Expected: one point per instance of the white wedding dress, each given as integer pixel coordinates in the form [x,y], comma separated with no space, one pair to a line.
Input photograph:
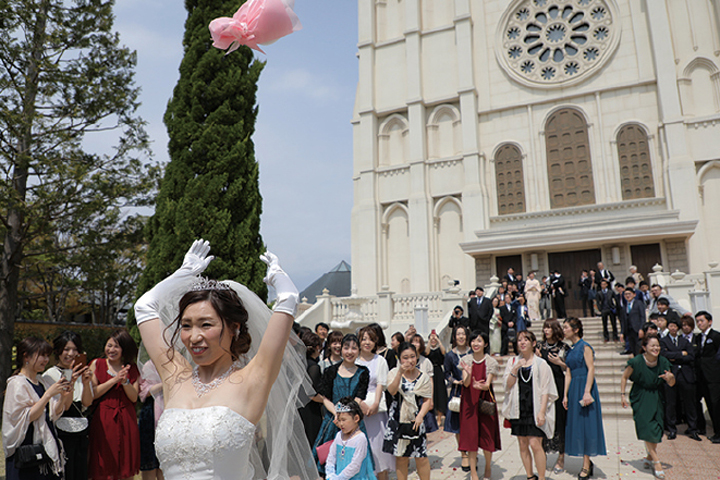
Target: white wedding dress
[204,444]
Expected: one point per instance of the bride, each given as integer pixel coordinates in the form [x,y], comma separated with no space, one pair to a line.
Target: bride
[230,404]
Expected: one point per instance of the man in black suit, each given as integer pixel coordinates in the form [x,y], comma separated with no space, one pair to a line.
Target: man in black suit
[458,318]
[608,307]
[507,316]
[634,320]
[480,312]
[557,286]
[605,274]
[664,311]
[510,276]
[681,354]
[707,368]
[584,284]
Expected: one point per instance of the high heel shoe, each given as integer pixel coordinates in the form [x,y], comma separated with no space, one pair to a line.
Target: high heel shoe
[587,471]
[465,459]
[658,473]
[647,463]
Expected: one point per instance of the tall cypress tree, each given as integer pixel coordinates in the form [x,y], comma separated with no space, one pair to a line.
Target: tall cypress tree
[210,187]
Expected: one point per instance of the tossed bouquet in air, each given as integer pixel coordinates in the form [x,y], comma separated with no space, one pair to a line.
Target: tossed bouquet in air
[257,22]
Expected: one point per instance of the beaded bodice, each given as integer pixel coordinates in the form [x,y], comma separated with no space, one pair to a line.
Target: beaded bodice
[204,443]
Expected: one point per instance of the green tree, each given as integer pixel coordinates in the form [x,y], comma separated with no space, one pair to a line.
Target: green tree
[210,188]
[63,75]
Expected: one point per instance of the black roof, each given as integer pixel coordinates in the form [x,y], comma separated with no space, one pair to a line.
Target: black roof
[337,281]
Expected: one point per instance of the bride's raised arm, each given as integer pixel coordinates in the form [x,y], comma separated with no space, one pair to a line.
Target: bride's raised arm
[266,364]
[147,307]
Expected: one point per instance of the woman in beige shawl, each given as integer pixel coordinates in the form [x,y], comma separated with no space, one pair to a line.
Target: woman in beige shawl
[412,399]
[26,415]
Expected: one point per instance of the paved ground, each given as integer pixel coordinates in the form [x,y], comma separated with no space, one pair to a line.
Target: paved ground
[683,459]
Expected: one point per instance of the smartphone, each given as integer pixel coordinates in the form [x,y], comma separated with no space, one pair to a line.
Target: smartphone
[67,373]
[81,359]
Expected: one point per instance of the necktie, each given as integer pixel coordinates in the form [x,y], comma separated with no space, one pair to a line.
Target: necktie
[629,307]
[674,339]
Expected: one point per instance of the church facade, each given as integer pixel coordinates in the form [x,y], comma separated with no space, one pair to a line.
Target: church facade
[538,134]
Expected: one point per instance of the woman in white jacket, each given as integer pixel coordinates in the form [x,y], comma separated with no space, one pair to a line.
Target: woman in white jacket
[529,403]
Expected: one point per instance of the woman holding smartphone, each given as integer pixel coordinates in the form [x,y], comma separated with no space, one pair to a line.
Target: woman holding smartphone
[73,427]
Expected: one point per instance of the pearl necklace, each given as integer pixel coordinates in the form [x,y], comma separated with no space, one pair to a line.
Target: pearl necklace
[203,388]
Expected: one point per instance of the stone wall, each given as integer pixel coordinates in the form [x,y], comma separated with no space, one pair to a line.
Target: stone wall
[677,256]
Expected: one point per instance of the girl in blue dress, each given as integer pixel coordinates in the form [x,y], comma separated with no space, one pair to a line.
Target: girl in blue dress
[349,457]
[584,434]
[344,379]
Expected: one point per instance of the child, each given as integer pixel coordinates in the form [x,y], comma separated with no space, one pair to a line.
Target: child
[349,457]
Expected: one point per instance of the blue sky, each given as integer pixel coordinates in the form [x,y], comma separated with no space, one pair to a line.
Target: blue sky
[303,138]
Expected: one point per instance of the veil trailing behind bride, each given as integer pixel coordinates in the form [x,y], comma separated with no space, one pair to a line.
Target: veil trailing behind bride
[216,442]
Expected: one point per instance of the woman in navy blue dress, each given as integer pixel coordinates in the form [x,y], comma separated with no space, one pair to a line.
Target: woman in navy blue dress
[344,379]
[584,434]
[453,377]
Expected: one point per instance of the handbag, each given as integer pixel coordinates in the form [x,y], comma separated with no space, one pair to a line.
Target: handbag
[407,432]
[486,407]
[323,451]
[30,456]
[454,404]
[370,399]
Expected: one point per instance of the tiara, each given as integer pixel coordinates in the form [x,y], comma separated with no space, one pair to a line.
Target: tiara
[203,283]
[342,408]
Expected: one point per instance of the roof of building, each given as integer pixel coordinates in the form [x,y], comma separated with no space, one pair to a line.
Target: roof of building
[337,281]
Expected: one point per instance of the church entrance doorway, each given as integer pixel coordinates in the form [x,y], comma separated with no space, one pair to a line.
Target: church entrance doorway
[644,257]
[503,263]
[570,265]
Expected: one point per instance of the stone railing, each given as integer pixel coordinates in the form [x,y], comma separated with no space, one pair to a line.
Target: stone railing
[393,311]
[694,292]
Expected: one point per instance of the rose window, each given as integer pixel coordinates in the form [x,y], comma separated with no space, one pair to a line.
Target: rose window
[556,42]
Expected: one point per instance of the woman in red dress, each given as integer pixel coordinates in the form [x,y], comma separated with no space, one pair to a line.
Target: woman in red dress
[476,429]
[114,434]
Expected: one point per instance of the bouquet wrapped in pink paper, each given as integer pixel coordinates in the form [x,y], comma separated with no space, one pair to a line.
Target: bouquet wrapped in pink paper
[257,22]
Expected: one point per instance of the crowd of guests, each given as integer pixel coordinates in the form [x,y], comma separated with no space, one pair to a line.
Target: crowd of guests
[376,403]
[77,420]
[395,395]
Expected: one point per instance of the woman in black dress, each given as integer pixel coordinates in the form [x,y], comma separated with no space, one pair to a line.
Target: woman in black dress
[553,350]
[435,352]
[311,414]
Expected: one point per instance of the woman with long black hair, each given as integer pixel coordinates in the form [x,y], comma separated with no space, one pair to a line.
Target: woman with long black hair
[73,427]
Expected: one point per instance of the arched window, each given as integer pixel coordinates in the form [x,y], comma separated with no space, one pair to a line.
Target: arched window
[509,180]
[393,139]
[443,132]
[390,19]
[396,231]
[635,168]
[568,160]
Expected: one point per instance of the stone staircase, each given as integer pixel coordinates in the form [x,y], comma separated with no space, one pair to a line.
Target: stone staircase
[609,366]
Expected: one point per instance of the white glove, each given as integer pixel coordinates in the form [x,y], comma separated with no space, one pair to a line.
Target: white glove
[287,294]
[195,262]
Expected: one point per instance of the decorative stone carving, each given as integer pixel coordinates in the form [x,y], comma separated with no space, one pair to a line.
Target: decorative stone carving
[551,43]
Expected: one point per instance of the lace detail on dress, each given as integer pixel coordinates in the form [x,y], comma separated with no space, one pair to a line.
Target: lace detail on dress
[204,443]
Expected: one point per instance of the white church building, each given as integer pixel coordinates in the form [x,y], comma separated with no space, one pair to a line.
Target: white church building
[538,134]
